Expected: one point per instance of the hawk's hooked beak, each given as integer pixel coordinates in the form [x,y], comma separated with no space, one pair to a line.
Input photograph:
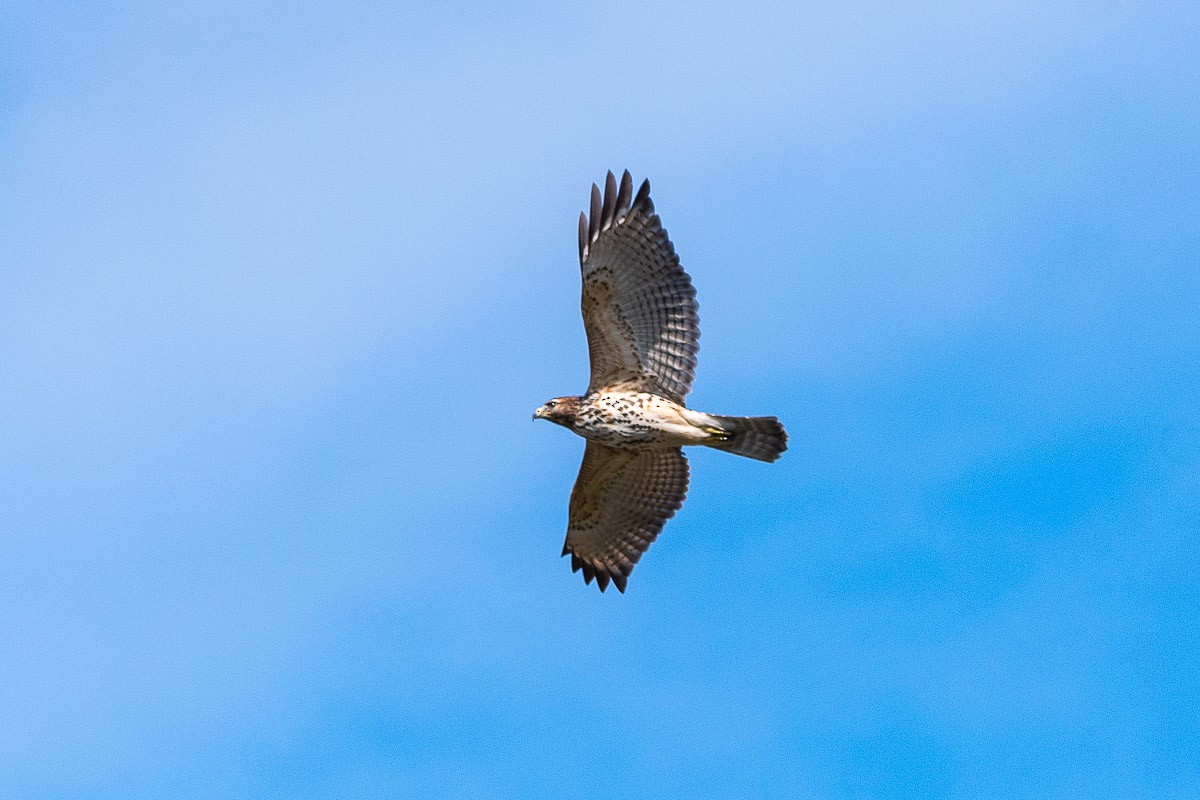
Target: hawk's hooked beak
[540,413]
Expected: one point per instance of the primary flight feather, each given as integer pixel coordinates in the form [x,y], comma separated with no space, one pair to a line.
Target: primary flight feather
[643,330]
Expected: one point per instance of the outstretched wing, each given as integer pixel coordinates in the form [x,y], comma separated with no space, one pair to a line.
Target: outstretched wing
[619,504]
[639,307]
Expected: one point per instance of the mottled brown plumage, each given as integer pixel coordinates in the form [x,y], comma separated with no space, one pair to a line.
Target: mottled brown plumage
[619,504]
[639,307]
[643,329]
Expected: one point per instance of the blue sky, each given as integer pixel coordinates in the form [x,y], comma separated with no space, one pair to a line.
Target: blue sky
[282,284]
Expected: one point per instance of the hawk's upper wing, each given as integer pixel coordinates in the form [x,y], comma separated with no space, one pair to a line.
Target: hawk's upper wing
[639,307]
[619,504]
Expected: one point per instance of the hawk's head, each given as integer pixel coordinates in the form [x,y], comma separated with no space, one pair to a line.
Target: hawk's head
[560,410]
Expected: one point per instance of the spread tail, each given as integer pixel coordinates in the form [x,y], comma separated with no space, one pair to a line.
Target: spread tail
[761,438]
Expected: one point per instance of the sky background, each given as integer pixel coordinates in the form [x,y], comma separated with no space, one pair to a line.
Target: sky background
[281,284]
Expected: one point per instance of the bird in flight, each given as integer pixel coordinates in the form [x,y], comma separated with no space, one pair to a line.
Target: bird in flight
[643,330]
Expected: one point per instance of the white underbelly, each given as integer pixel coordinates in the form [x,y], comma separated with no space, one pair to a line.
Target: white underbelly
[637,420]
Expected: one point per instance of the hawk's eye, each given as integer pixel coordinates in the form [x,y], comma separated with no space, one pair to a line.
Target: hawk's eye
[551,404]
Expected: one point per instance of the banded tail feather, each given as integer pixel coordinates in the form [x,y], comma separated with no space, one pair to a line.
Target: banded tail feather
[760,438]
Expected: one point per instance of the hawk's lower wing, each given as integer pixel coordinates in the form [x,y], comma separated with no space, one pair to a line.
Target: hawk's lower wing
[619,504]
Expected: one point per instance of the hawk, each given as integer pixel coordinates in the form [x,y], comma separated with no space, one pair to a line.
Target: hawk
[640,313]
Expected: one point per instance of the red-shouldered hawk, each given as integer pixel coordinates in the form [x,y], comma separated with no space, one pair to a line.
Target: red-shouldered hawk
[639,309]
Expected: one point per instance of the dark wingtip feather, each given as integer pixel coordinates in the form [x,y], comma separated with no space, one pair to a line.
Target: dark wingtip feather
[583,236]
[642,201]
[619,581]
[594,216]
[576,563]
[602,578]
[610,201]
[624,194]
[589,572]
